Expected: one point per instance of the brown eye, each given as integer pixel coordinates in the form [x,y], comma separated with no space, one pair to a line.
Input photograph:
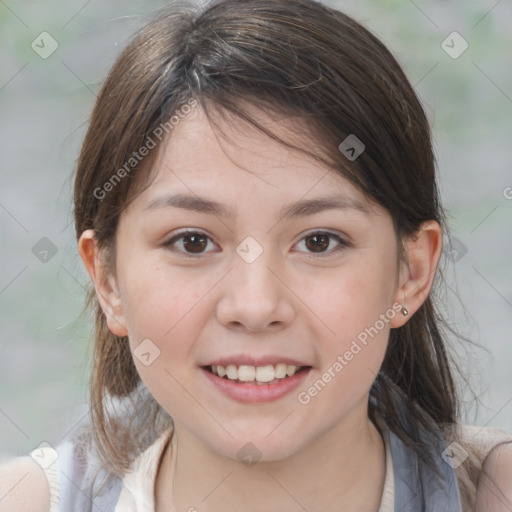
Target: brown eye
[320,243]
[189,243]
[195,243]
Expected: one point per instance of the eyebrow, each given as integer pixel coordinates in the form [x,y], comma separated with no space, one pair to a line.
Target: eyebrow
[301,208]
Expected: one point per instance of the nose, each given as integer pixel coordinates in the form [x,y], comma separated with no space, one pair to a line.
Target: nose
[255,296]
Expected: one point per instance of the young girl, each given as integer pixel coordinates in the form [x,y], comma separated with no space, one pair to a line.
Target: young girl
[257,207]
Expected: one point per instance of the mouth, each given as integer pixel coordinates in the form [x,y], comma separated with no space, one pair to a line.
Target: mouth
[259,375]
[255,384]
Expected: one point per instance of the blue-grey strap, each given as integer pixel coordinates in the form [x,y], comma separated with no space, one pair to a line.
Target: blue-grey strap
[83,485]
[106,491]
[417,487]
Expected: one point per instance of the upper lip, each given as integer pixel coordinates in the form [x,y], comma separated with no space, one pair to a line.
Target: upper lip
[245,360]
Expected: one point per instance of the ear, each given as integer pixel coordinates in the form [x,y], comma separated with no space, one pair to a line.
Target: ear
[423,250]
[105,285]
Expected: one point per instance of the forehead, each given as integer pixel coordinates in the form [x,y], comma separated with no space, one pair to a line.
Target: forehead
[231,158]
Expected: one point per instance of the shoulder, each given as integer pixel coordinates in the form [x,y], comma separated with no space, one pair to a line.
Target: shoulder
[482,440]
[489,451]
[23,486]
[494,489]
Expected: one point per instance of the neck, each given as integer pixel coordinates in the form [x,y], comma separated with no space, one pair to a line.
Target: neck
[345,465]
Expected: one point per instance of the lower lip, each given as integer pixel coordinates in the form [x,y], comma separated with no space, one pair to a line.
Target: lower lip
[256,393]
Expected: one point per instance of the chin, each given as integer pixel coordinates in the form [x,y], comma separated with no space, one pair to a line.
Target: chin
[251,447]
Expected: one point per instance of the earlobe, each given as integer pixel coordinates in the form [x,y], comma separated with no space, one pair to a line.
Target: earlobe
[105,285]
[423,251]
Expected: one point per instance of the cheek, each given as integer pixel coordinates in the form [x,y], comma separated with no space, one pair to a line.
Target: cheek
[355,310]
[352,301]
[350,359]
[170,387]
[161,304]
[165,313]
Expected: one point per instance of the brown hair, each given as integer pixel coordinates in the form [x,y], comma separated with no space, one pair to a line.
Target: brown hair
[292,58]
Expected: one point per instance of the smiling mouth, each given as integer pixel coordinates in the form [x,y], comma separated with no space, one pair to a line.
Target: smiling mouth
[259,375]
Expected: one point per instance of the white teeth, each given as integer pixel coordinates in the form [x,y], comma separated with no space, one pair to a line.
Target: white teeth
[232,372]
[259,374]
[247,373]
[281,370]
[290,370]
[265,373]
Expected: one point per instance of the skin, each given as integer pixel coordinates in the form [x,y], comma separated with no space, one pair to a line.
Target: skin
[291,301]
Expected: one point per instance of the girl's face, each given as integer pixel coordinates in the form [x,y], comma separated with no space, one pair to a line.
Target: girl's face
[247,255]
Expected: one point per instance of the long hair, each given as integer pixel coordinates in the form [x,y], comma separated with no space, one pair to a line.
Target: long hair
[287,58]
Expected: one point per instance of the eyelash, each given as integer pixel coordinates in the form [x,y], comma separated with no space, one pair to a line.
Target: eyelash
[184,234]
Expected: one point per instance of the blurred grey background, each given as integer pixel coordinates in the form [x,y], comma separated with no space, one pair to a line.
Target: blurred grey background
[53,58]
